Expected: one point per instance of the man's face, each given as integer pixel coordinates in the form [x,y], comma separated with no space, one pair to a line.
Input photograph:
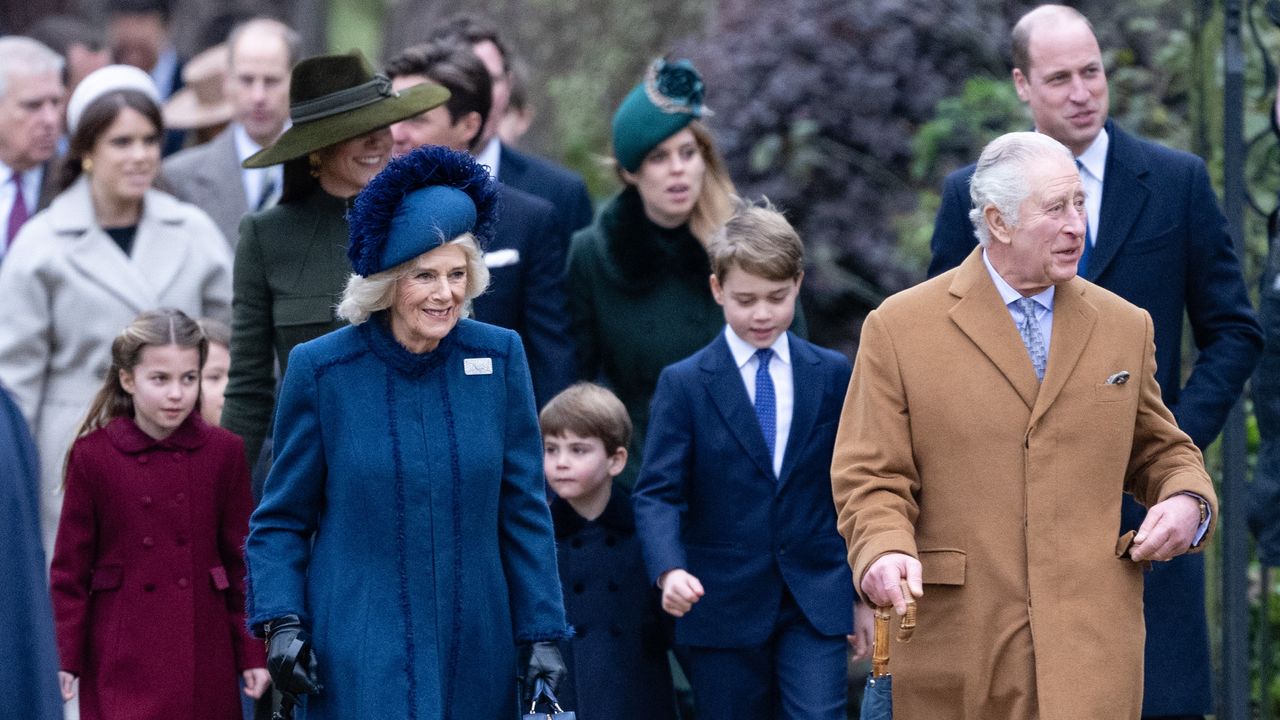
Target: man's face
[30,119]
[137,38]
[501,79]
[1044,248]
[82,60]
[433,127]
[1066,85]
[258,85]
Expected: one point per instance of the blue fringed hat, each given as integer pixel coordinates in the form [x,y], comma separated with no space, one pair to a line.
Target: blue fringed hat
[669,99]
[417,203]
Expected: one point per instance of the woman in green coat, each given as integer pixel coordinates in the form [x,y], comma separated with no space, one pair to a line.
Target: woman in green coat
[291,262]
[638,278]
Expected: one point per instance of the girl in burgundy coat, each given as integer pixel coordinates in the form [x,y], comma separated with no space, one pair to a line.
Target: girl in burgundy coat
[147,575]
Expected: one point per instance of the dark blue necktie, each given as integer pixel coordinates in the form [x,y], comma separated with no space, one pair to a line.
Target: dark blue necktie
[1083,266]
[766,404]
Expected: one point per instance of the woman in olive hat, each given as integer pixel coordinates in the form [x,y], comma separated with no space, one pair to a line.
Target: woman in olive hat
[638,284]
[290,263]
[403,548]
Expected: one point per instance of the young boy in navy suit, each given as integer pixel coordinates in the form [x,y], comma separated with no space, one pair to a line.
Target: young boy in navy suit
[733,504]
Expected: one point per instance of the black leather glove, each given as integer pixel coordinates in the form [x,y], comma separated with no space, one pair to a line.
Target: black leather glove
[546,664]
[290,657]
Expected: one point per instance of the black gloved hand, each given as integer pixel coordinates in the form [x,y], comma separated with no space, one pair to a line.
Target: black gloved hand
[546,664]
[290,657]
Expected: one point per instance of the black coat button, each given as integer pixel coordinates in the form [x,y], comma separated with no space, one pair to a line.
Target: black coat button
[578,588]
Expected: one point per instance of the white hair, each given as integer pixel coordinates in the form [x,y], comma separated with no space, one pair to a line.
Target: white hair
[365,296]
[1000,179]
[21,55]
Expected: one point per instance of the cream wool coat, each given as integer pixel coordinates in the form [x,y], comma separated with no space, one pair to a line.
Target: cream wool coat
[67,291]
[1008,491]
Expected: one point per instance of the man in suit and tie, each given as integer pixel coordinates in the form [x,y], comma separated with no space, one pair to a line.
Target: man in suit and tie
[1156,237]
[996,415]
[526,256]
[210,176]
[733,502]
[562,188]
[31,103]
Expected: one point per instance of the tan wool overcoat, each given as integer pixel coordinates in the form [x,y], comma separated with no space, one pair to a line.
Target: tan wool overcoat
[1008,491]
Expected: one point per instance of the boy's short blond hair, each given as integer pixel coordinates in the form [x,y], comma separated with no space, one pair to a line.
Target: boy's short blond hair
[588,410]
[759,240]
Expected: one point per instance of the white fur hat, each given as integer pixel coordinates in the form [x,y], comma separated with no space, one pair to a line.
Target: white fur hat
[105,80]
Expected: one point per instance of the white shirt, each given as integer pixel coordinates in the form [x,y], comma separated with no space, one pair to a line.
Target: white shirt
[1093,162]
[31,181]
[744,354]
[1043,304]
[491,155]
[254,179]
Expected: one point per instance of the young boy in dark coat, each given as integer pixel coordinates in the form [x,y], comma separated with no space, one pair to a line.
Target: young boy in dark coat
[733,502]
[617,659]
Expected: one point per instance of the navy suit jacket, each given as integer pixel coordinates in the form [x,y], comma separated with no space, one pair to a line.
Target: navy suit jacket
[1163,246]
[526,288]
[707,499]
[558,186]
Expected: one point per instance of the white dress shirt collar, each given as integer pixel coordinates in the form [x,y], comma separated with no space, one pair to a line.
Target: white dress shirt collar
[1044,298]
[1094,158]
[491,155]
[743,351]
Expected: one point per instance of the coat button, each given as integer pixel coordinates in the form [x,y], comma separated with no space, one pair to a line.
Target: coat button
[149,587]
[148,541]
[146,501]
[177,456]
[142,459]
[180,498]
[578,588]
[183,582]
[182,542]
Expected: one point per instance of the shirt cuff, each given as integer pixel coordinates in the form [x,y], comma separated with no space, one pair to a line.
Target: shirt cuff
[1208,519]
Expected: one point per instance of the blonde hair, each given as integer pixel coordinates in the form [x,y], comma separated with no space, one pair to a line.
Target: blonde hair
[758,240]
[365,296]
[588,410]
[215,331]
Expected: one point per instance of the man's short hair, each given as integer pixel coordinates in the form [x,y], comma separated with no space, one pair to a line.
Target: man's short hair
[292,40]
[140,7]
[21,55]
[1021,34]
[1000,179]
[61,32]
[757,239]
[590,411]
[473,30]
[453,65]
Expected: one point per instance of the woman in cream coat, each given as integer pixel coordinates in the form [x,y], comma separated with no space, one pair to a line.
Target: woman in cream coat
[106,249]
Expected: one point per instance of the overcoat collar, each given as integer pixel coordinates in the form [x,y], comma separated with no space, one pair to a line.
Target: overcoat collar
[982,316]
[1124,194]
[157,261]
[638,254]
[616,516]
[127,437]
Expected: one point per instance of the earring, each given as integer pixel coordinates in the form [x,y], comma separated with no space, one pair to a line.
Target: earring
[313,160]
[86,166]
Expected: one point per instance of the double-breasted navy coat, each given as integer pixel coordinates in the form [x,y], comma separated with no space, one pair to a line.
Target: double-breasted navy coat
[405,521]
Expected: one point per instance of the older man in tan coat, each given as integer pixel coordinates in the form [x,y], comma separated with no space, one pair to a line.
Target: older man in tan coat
[995,417]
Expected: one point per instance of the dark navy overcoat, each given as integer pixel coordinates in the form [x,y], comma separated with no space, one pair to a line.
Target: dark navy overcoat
[405,521]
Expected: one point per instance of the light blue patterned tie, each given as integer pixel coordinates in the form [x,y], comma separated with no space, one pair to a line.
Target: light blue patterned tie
[766,404]
[1031,337]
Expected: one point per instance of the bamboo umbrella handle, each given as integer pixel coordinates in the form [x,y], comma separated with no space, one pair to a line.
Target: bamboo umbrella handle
[880,646]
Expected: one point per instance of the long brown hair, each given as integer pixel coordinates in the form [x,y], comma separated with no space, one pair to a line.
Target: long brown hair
[166,326]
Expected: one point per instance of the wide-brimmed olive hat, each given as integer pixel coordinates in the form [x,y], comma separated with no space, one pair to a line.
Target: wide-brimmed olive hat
[337,97]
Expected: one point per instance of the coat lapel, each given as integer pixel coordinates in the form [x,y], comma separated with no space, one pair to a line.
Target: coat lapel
[807,390]
[93,254]
[153,248]
[729,395]
[981,315]
[1073,321]
[1124,194]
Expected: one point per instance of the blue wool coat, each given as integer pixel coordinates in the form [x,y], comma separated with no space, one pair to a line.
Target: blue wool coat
[405,521]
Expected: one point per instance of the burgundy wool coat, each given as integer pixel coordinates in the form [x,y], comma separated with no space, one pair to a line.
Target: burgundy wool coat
[148,572]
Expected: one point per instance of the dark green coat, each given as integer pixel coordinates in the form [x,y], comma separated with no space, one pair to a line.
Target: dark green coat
[290,269]
[640,300]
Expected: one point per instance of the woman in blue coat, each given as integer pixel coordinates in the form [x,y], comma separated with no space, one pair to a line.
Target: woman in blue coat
[403,549]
